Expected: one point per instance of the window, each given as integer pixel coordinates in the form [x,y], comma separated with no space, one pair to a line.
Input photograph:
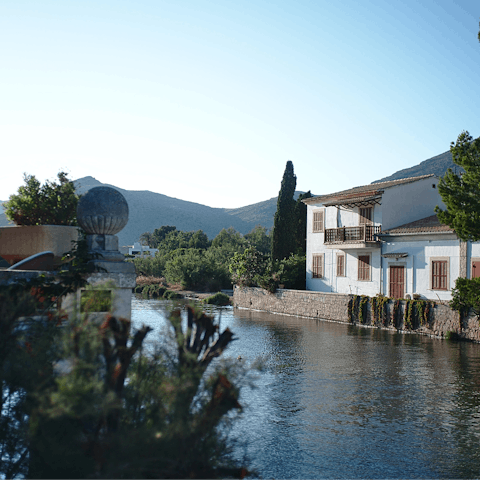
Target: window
[366,215]
[439,274]
[340,265]
[364,267]
[318,221]
[317,266]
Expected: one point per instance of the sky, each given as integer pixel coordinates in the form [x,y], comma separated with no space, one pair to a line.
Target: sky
[206,101]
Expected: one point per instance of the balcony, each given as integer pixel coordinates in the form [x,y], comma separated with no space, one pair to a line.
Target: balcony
[352,237]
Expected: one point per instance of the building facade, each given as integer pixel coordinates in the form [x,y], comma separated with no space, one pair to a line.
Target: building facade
[382,239]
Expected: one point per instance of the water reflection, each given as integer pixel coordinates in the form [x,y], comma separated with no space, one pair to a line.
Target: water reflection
[337,401]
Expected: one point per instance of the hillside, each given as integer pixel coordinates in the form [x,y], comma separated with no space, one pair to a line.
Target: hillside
[149,210]
[437,165]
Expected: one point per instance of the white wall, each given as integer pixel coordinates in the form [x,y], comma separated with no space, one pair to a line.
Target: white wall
[406,203]
[420,251]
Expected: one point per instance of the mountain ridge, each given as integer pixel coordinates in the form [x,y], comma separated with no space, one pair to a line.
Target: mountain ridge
[150,210]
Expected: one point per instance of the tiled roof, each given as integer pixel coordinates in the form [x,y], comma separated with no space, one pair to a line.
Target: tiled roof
[424,225]
[356,200]
[364,191]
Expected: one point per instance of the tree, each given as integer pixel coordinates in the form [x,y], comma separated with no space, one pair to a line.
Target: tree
[461,193]
[86,401]
[259,238]
[301,223]
[49,204]
[283,235]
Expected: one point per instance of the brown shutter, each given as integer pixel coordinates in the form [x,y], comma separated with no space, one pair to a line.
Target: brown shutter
[366,215]
[439,275]
[317,266]
[364,267]
[340,265]
[318,221]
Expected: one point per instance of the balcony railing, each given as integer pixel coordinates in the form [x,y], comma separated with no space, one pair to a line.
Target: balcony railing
[360,234]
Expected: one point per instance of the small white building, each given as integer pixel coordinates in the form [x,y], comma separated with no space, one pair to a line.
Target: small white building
[139,250]
[382,239]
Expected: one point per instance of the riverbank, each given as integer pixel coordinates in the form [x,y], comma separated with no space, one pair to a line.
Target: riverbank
[434,319]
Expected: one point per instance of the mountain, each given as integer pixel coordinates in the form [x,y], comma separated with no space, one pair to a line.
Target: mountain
[437,165]
[149,210]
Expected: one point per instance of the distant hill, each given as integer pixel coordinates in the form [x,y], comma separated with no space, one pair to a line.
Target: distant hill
[437,165]
[149,210]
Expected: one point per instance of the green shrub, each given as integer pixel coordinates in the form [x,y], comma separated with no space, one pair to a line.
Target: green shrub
[219,298]
[452,336]
[171,295]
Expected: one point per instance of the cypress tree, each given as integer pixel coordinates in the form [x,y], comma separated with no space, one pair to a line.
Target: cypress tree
[301,223]
[284,226]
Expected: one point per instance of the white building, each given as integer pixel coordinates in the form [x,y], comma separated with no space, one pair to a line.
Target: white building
[382,239]
[139,250]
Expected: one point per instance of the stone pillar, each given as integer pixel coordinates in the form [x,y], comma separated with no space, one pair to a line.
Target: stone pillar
[463,266]
[102,212]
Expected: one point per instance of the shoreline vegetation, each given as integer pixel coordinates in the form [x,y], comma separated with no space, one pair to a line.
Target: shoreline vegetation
[158,288]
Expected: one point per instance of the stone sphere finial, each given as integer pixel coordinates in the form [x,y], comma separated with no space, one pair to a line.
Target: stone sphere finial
[102,211]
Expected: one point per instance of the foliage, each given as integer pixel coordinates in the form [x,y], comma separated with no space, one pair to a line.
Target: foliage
[452,336]
[284,228]
[196,269]
[190,259]
[85,400]
[461,193]
[466,296]
[291,271]
[49,204]
[363,309]
[245,268]
[396,310]
[408,315]
[218,298]
[379,307]
[259,238]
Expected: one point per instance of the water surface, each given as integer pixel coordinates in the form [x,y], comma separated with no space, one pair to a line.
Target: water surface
[337,401]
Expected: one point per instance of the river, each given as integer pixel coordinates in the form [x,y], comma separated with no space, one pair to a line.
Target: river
[338,401]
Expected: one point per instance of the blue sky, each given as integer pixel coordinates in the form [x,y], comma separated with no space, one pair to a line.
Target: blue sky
[207,100]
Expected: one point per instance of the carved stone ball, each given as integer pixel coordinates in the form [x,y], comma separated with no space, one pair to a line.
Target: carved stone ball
[102,211]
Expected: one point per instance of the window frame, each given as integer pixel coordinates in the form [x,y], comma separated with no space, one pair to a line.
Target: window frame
[360,268]
[315,265]
[315,227]
[433,260]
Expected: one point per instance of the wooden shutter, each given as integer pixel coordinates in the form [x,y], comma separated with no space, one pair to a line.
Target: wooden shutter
[366,215]
[439,274]
[340,265]
[317,266]
[318,221]
[364,267]
[475,269]
[397,281]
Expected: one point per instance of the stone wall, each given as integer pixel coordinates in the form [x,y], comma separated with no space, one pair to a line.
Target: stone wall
[334,307]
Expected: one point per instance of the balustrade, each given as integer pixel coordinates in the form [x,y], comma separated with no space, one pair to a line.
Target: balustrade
[362,233]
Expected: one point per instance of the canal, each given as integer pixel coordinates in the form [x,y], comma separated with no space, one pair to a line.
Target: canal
[337,401]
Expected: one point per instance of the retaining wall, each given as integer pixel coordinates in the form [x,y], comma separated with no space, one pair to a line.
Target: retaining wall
[334,306]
